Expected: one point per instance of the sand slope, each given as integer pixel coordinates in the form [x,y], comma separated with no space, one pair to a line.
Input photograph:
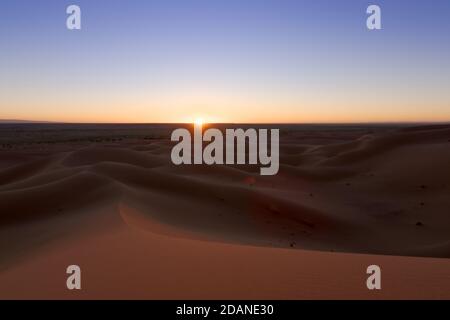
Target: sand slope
[118,207]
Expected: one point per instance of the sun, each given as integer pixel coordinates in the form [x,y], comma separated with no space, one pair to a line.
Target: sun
[198,122]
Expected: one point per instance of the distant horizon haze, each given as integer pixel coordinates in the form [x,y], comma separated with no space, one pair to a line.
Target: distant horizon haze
[24,121]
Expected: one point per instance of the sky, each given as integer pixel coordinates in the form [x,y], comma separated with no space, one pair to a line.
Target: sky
[286,61]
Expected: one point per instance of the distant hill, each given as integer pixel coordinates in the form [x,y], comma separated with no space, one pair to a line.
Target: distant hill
[22,121]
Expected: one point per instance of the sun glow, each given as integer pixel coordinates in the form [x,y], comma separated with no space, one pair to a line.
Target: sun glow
[198,122]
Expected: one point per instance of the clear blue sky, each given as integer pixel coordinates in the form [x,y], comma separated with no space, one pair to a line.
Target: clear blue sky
[225,60]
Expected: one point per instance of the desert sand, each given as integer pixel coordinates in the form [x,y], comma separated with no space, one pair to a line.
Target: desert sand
[108,198]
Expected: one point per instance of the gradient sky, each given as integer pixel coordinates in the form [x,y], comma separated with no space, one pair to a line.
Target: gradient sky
[225,61]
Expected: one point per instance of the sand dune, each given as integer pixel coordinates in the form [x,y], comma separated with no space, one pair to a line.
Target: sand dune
[116,201]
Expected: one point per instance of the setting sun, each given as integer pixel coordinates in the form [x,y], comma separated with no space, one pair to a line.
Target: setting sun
[198,122]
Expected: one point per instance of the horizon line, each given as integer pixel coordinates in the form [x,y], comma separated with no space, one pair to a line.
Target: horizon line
[20,121]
